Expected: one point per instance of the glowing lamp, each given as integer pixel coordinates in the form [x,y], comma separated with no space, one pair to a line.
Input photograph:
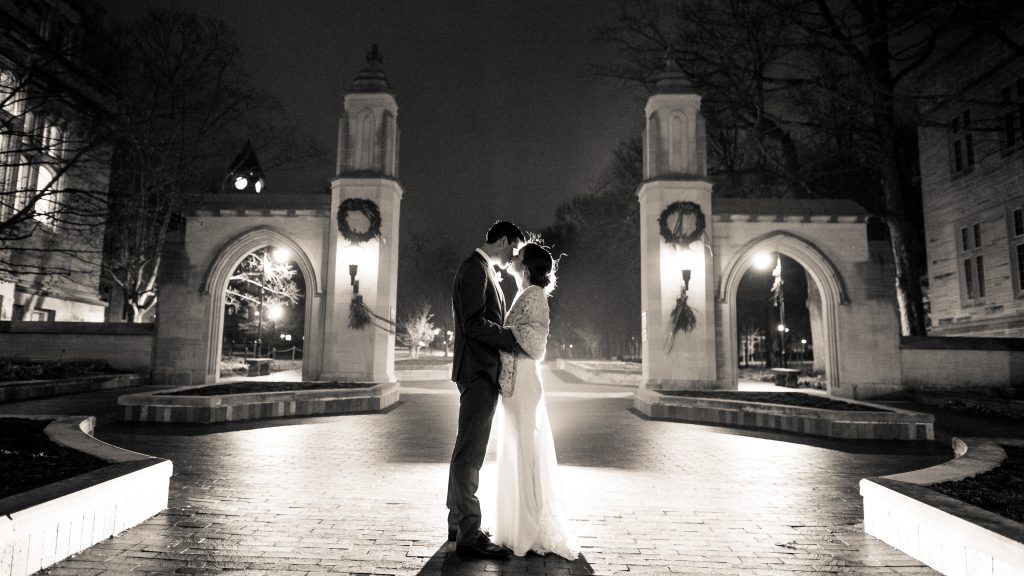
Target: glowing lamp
[241,183]
[686,259]
[258,186]
[354,257]
[275,312]
[281,255]
[763,261]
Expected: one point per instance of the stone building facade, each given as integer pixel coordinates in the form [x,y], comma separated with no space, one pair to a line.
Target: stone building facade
[972,180]
[53,175]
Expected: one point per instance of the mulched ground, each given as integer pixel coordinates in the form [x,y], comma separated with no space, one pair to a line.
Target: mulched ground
[28,459]
[783,398]
[14,371]
[255,387]
[1000,491]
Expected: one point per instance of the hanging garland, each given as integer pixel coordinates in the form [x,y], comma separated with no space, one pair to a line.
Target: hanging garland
[360,315]
[683,320]
[674,233]
[369,210]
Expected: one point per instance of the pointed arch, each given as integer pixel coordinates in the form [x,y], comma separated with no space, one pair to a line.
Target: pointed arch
[826,277]
[215,283]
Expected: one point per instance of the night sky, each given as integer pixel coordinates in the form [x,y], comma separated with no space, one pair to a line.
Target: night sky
[501,115]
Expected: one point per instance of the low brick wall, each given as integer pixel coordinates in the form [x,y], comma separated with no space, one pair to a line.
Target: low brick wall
[43,526]
[890,424]
[951,536]
[126,347]
[955,362]
[25,389]
[150,407]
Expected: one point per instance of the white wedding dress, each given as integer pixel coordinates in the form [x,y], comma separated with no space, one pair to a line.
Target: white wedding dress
[528,512]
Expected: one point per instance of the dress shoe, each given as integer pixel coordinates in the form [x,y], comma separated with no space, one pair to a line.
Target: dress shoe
[482,547]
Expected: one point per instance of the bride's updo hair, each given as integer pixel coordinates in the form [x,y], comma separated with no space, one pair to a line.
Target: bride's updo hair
[537,259]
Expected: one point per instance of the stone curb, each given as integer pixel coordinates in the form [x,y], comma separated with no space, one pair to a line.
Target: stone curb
[26,389]
[888,424]
[45,525]
[599,376]
[951,536]
[152,407]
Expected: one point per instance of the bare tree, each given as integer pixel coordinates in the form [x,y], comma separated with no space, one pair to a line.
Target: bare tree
[417,330]
[184,105]
[821,93]
[53,162]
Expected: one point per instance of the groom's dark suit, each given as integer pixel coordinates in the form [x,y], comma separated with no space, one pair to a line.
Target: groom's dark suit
[479,309]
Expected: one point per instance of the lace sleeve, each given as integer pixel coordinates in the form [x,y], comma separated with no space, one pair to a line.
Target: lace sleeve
[530,326]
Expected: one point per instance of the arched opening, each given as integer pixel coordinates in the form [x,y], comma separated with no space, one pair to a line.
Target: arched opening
[215,286]
[824,285]
[778,315]
[264,318]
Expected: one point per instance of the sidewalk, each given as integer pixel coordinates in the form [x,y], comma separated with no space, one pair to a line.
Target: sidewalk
[364,494]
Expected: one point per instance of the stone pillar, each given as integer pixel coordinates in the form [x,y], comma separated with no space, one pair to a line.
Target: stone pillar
[675,176]
[367,171]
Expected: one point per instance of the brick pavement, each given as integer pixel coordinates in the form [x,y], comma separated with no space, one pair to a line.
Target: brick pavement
[364,494]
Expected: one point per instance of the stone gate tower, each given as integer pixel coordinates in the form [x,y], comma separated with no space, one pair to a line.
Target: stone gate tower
[363,242]
[675,236]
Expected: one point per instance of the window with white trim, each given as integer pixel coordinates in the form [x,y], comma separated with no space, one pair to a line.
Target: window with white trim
[961,144]
[971,264]
[1015,222]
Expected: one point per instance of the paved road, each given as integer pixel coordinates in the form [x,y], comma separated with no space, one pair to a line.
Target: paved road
[364,494]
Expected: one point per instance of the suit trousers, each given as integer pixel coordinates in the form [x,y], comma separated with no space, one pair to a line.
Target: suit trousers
[477,401]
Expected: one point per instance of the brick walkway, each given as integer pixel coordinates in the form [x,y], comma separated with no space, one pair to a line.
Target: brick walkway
[364,494]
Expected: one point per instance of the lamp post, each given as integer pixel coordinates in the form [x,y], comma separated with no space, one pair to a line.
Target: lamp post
[779,298]
[764,261]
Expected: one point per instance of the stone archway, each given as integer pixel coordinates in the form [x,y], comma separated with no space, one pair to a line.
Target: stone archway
[825,276]
[215,283]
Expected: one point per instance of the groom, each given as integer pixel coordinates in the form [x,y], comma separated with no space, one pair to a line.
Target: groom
[479,308]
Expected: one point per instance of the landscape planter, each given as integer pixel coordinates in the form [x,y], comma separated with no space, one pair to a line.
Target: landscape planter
[163,407]
[45,525]
[26,389]
[883,424]
[948,535]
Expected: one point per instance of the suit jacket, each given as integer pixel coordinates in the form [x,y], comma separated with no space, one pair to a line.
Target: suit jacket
[479,310]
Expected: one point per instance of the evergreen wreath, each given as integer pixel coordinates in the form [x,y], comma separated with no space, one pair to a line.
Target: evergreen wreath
[367,208]
[675,234]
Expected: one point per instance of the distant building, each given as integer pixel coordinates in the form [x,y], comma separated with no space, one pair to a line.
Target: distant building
[53,176]
[972,179]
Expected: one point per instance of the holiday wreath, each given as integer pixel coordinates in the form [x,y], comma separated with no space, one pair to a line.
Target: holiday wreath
[361,209]
[675,230]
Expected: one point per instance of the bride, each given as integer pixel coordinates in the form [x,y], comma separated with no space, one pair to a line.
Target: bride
[529,514]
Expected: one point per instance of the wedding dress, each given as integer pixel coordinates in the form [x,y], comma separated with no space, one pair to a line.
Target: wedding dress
[528,512]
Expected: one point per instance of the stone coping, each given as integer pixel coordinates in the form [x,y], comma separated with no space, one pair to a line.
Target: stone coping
[591,372]
[162,407]
[886,424]
[45,525]
[949,535]
[25,389]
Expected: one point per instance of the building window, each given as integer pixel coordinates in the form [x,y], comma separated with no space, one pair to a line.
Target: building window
[10,94]
[961,142]
[47,200]
[971,264]
[1016,235]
